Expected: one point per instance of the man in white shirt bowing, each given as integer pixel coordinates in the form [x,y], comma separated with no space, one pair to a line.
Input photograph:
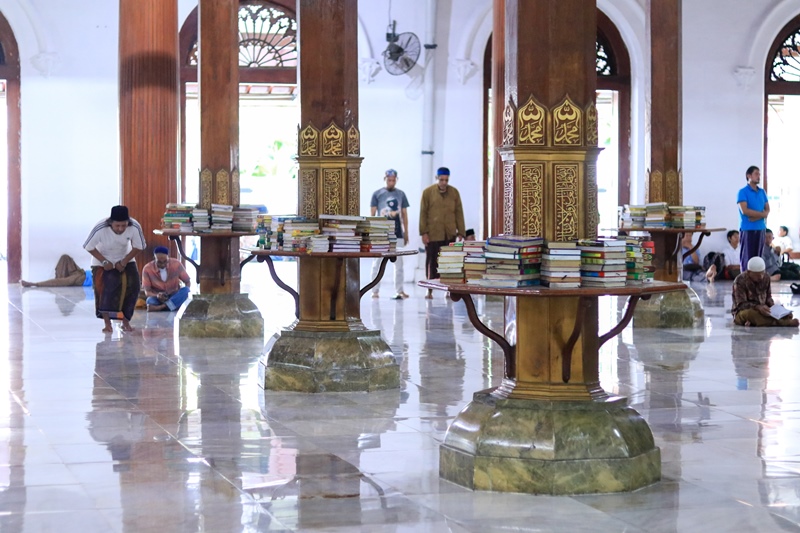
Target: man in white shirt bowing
[113,243]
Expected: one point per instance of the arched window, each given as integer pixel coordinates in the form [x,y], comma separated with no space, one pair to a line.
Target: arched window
[782,121]
[10,94]
[268,63]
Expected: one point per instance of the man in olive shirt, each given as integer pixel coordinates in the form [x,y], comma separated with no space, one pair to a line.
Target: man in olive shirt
[441,220]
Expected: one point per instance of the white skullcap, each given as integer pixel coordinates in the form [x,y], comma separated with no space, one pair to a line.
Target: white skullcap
[756,264]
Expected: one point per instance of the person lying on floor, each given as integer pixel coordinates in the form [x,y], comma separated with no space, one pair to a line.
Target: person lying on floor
[68,274]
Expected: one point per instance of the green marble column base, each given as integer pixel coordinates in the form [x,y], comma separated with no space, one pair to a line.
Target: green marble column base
[679,309]
[303,361]
[220,315]
[549,447]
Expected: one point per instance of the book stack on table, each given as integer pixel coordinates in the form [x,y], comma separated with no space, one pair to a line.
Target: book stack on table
[201,220]
[687,216]
[634,261]
[561,265]
[221,217]
[297,233]
[245,218]
[377,234]
[178,216]
[633,216]
[603,263]
[657,215]
[451,263]
[475,260]
[340,230]
[512,261]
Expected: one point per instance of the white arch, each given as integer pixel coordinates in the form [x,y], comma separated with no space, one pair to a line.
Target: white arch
[33,39]
[473,41]
[773,22]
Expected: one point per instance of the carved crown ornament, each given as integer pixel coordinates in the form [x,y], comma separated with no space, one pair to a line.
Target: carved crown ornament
[333,141]
[565,124]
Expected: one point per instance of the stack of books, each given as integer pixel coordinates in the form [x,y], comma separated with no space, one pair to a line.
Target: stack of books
[687,216]
[375,233]
[451,263]
[221,217]
[648,251]
[201,220]
[633,216]
[474,260]
[603,263]
[512,261]
[178,216]
[657,215]
[561,265]
[319,243]
[297,231]
[264,230]
[245,218]
[342,232]
[634,261]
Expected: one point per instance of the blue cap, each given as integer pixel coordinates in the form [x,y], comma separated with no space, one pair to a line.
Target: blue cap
[391,172]
[161,250]
[443,171]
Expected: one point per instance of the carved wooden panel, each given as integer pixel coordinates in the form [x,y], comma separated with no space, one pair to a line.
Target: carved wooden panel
[592,209]
[332,191]
[235,190]
[531,199]
[353,191]
[673,190]
[509,122]
[591,125]
[566,201]
[308,193]
[508,197]
[656,186]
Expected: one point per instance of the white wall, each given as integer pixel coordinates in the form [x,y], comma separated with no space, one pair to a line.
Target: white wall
[723,113]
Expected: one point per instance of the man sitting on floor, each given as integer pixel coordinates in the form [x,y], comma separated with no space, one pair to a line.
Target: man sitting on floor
[161,279]
[752,298]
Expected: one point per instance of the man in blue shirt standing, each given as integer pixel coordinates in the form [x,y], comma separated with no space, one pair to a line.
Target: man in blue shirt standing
[753,209]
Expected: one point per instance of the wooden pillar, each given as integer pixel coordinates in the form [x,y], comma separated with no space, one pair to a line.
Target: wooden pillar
[664,175]
[219,137]
[148,111]
[498,106]
[329,155]
[549,152]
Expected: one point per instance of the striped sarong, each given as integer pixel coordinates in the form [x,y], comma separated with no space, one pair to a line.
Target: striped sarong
[115,292]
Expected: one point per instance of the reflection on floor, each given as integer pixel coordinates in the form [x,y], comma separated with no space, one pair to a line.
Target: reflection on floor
[144,432]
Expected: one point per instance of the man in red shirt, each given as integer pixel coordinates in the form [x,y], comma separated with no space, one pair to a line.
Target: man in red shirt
[161,279]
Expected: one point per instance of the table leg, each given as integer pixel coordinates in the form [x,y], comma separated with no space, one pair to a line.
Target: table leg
[246,260]
[267,259]
[378,278]
[508,351]
[626,319]
[179,244]
[336,283]
[566,351]
[674,257]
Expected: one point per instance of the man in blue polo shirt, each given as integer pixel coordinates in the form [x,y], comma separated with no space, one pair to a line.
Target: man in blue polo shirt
[753,209]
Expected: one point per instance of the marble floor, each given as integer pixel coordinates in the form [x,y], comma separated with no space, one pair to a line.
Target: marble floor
[148,432]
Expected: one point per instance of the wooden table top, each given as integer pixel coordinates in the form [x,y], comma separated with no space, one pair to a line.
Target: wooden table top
[653,287]
[179,233]
[672,230]
[285,253]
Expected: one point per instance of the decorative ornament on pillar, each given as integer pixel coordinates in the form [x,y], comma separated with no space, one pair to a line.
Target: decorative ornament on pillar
[308,193]
[333,141]
[531,192]
[508,197]
[656,186]
[567,124]
[531,124]
[353,142]
[509,130]
[206,188]
[673,188]
[222,192]
[591,125]
[309,141]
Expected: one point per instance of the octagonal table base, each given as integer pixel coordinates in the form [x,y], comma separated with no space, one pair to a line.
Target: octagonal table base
[680,309]
[220,315]
[549,447]
[328,361]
